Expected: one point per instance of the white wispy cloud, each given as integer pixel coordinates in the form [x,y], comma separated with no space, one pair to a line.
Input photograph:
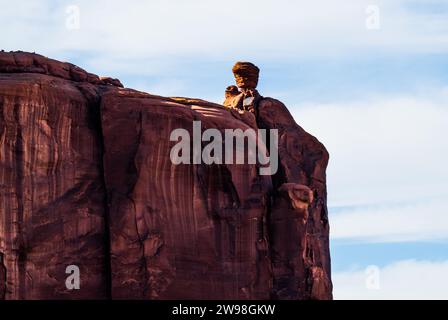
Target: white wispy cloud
[423,221]
[409,280]
[263,28]
[387,171]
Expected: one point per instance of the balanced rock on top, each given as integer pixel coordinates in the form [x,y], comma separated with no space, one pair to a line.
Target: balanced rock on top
[244,96]
[246,75]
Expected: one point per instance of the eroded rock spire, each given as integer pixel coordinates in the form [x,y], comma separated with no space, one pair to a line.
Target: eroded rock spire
[244,96]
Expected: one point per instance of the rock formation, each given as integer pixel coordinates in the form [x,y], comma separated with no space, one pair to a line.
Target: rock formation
[246,75]
[86,179]
[244,95]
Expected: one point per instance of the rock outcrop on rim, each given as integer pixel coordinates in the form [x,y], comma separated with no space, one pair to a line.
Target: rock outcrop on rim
[86,180]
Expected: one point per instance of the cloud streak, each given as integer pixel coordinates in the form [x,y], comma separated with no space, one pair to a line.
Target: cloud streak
[424,221]
[387,177]
[408,279]
[252,29]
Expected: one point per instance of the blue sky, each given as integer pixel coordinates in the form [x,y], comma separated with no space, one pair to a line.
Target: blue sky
[376,97]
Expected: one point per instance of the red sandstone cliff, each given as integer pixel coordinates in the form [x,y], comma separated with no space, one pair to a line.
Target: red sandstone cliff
[86,179]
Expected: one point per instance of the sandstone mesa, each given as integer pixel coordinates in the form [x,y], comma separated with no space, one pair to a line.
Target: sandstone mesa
[86,179]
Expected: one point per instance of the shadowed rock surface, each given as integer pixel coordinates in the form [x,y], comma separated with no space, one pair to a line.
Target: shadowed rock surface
[86,179]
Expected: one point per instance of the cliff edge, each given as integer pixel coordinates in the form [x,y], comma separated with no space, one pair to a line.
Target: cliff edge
[86,180]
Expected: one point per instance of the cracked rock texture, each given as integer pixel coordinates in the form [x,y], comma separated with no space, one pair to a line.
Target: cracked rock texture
[86,179]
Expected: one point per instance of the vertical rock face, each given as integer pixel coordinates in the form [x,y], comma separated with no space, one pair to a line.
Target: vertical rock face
[52,193]
[179,231]
[86,179]
[301,268]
